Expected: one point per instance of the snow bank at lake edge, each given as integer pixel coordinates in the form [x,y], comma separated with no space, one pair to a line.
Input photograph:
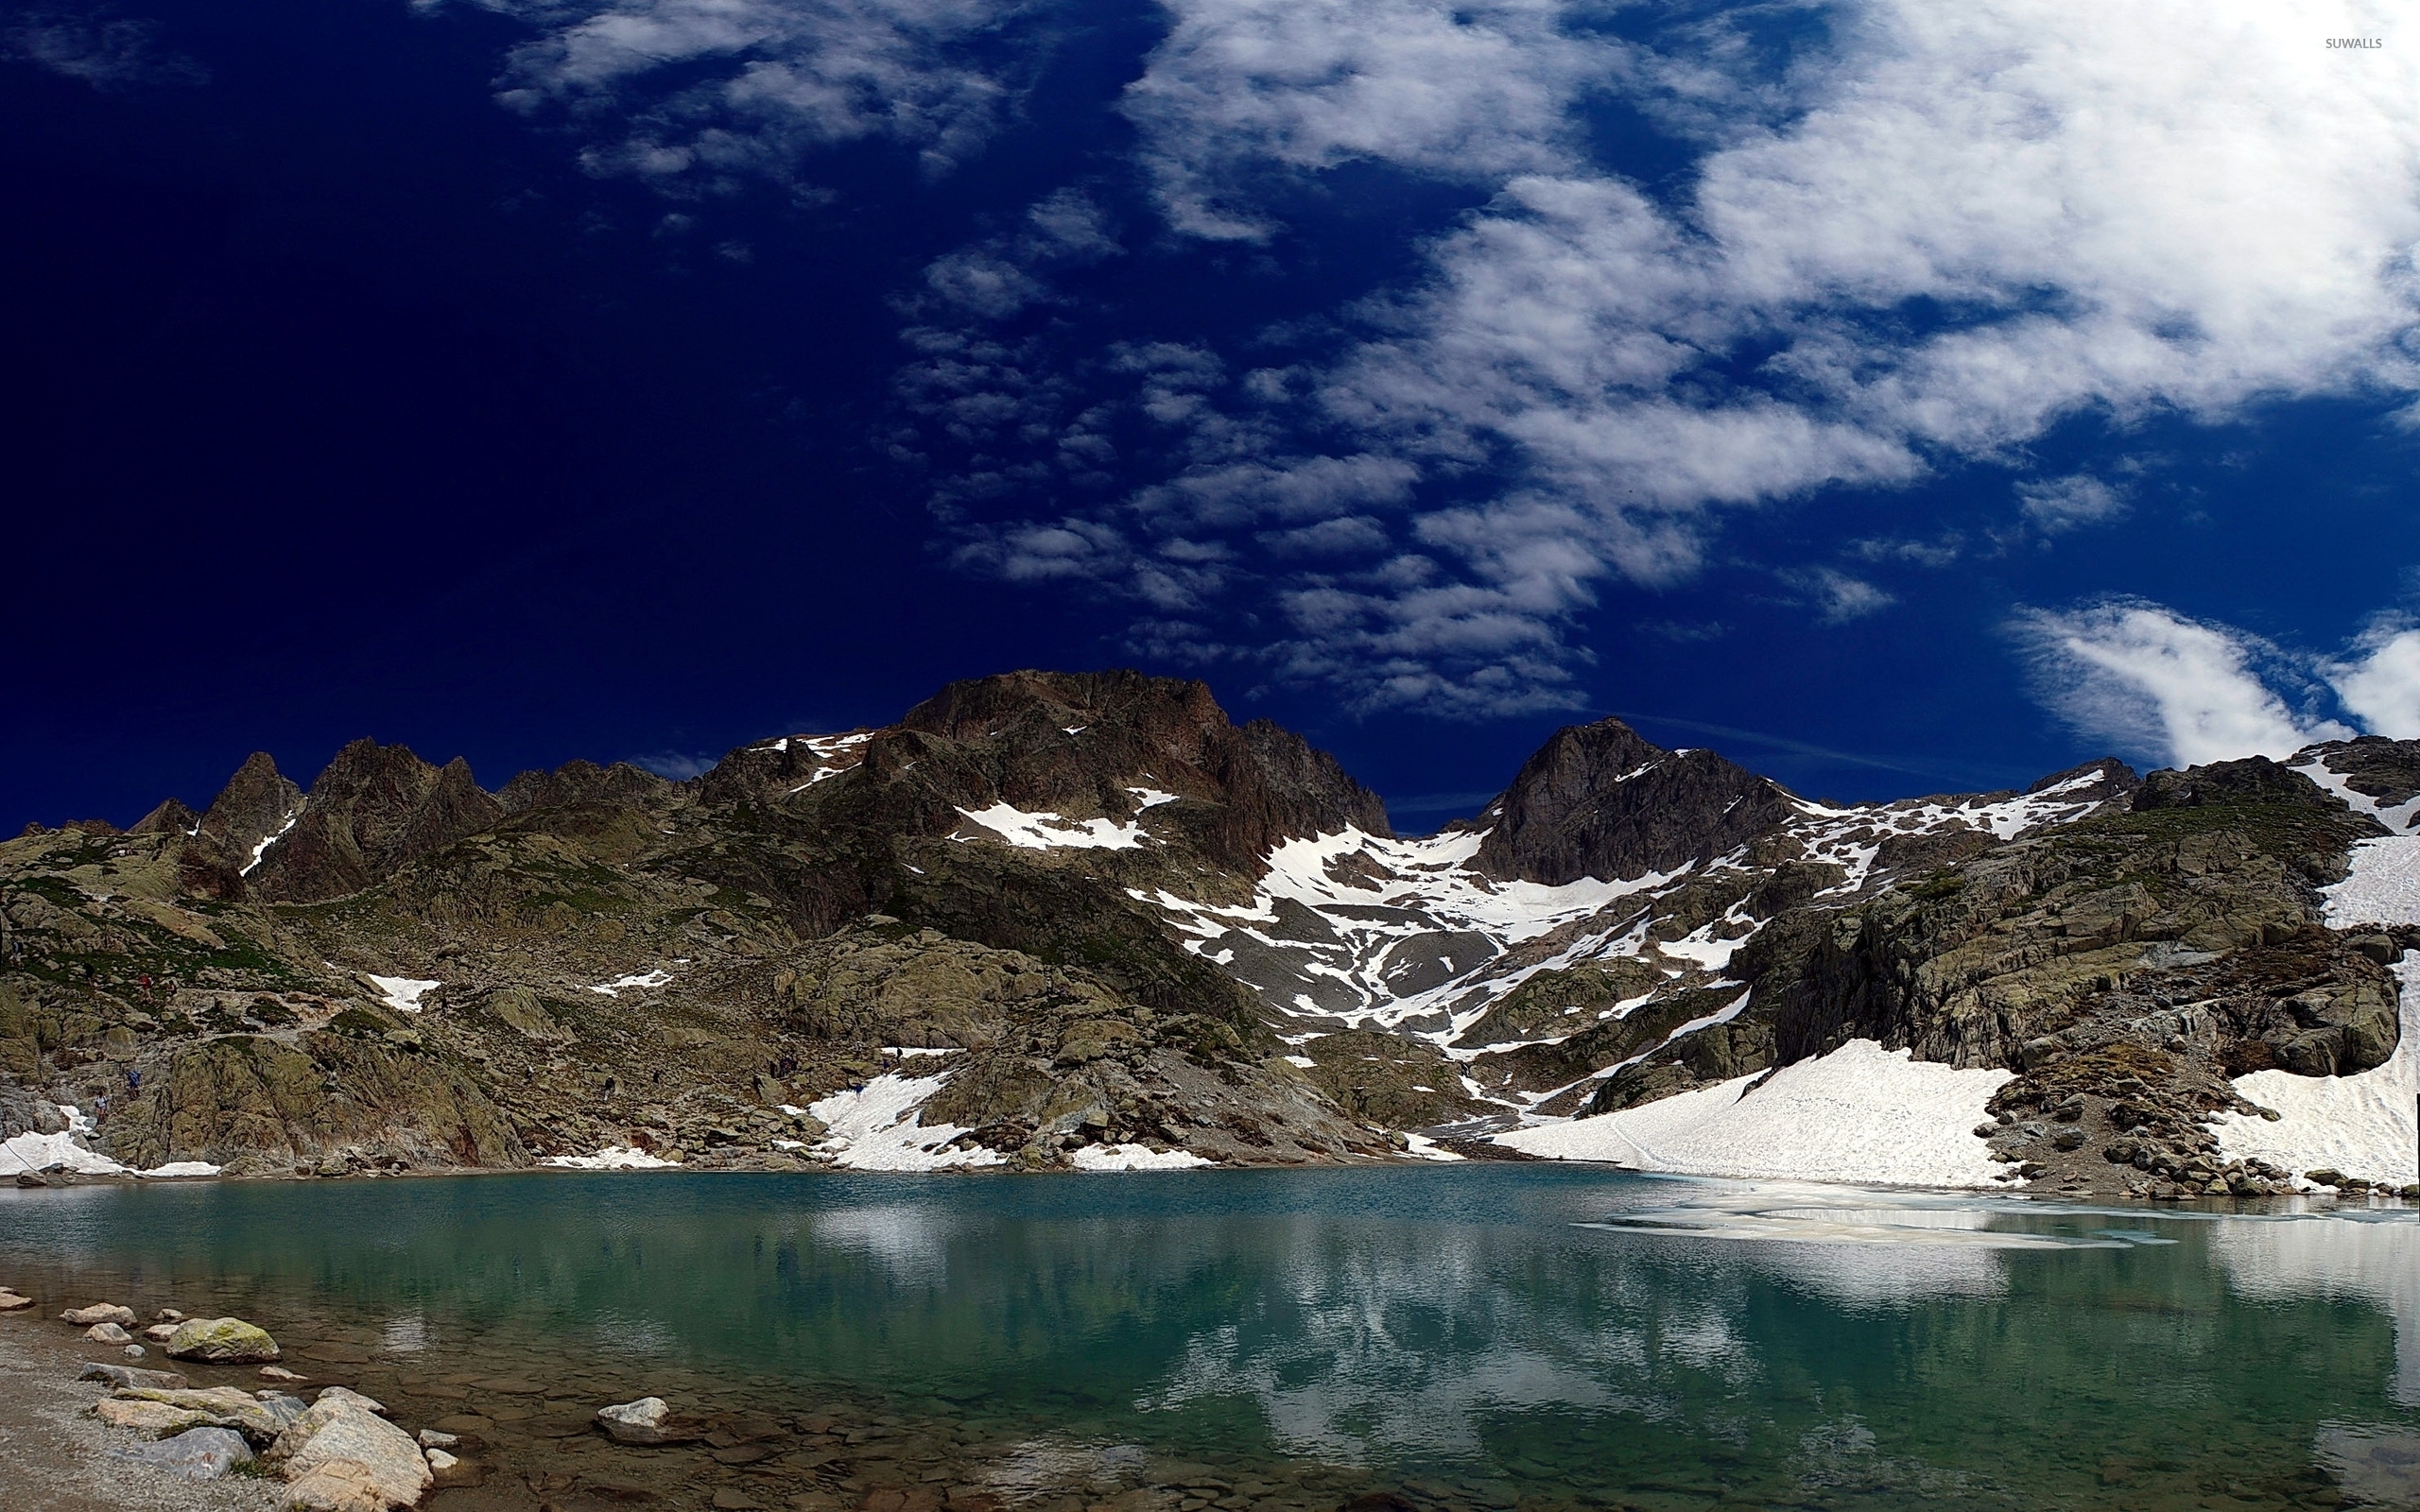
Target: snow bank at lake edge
[1860,1114]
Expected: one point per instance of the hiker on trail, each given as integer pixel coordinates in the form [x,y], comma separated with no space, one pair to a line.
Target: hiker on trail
[133,1080]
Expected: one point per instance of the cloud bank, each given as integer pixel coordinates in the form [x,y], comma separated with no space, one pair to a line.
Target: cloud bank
[1919,246]
[2175,690]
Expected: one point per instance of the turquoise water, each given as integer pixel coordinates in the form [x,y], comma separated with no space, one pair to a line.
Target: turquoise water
[1456,1336]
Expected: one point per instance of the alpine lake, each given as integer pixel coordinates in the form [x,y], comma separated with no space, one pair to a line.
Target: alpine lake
[1442,1337]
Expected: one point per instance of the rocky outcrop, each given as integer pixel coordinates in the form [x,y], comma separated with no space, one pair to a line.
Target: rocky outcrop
[1084,888]
[1074,742]
[583,784]
[375,809]
[1596,801]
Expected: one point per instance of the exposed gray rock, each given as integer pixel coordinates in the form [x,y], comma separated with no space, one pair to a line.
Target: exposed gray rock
[198,1453]
[119,1375]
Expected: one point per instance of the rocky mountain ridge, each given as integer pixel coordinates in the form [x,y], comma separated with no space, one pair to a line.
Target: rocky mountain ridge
[1050,919]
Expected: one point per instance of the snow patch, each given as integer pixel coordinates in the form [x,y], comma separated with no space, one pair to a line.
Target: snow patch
[402,993]
[1150,797]
[878,1128]
[1134,1158]
[2363,1125]
[1424,1148]
[611,1158]
[656,978]
[266,841]
[1861,1114]
[1045,831]
[62,1151]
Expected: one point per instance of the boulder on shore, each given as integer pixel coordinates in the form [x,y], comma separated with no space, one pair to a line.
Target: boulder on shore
[157,1418]
[11,1302]
[108,1333]
[221,1341]
[84,1317]
[341,1456]
[260,1419]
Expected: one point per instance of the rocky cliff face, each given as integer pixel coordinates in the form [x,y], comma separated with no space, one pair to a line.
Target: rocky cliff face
[1051,918]
[1596,801]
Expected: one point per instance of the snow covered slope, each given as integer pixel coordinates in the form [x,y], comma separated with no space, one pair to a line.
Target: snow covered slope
[1351,931]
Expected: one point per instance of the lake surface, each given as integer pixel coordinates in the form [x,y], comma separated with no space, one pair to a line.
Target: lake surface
[1475,1337]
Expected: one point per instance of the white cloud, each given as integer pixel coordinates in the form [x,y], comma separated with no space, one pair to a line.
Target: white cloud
[1838,596]
[2057,505]
[109,53]
[1001,276]
[2379,683]
[1474,91]
[1971,222]
[698,92]
[2159,684]
[677,765]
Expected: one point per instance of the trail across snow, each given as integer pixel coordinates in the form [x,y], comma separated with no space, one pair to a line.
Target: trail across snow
[1861,1114]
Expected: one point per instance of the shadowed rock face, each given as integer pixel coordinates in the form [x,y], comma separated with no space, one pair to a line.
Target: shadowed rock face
[374,810]
[1598,800]
[1268,783]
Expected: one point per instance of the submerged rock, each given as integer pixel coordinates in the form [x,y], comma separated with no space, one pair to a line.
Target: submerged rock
[198,1453]
[449,1472]
[649,1420]
[220,1341]
[119,1375]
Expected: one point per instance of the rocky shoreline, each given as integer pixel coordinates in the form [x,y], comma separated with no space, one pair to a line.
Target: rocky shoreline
[343,1426]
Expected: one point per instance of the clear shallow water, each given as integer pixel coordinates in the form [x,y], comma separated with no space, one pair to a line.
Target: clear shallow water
[1490,1336]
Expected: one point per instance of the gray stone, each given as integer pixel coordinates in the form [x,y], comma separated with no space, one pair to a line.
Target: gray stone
[84,1317]
[198,1453]
[649,1420]
[109,1334]
[340,1456]
[120,1375]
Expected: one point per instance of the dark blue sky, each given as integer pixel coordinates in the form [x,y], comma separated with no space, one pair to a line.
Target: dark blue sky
[638,379]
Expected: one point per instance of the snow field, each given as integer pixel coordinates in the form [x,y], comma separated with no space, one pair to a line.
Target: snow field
[402,993]
[878,1128]
[2365,1124]
[1860,1114]
[1047,832]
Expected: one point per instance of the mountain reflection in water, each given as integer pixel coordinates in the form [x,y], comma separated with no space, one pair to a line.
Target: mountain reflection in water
[1477,1336]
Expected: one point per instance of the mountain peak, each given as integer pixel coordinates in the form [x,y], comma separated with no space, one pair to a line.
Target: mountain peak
[1601,801]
